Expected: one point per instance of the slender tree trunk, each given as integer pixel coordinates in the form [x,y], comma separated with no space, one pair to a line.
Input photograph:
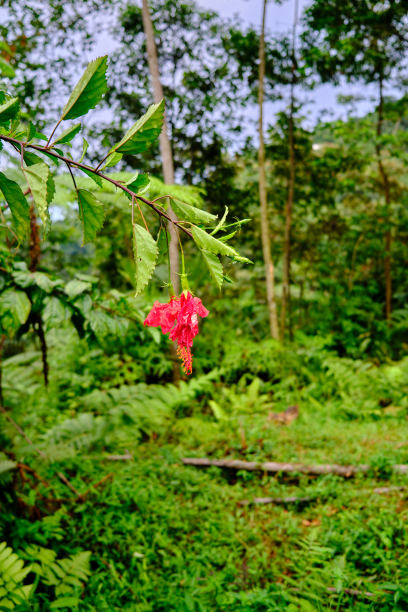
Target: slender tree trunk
[165,146]
[286,306]
[387,197]
[266,241]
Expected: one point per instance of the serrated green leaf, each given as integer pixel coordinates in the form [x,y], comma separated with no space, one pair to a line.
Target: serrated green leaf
[14,310]
[55,312]
[144,132]
[215,267]
[91,213]
[211,244]
[5,69]
[145,252]
[9,110]
[40,136]
[55,160]
[76,287]
[88,91]
[31,131]
[42,189]
[68,134]
[95,177]
[31,158]
[84,149]
[112,160]
[19,207]
[186,212]
[139,183]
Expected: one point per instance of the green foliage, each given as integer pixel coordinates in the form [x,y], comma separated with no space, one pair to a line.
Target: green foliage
[143,133]
[9,109]
[12,574]
[91,213]
[19,207]
[42,188]
[145,253]
[88,91]
[68,134]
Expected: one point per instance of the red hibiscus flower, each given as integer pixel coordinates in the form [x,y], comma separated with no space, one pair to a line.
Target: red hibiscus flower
[180,318]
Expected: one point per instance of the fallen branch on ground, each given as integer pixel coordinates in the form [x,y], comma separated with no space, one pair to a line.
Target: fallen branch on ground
[290,468]
[282,501]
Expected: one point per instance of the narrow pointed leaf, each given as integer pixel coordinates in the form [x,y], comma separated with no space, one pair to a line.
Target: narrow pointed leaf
[145,252]
[88,91]
[42,190]
[68,134]
[215,267]
[209,243]
[112,160]
[221,222]
[9,110]
[19,207]
[91,213]
[84,149]
[186,212]
[144,132]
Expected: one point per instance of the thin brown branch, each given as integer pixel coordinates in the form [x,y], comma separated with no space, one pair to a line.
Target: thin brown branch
[82,496]
[117,184]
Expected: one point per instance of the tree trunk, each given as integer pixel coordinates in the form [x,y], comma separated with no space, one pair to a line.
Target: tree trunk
[387,197]
[286,306]
[165,146]
[266,242]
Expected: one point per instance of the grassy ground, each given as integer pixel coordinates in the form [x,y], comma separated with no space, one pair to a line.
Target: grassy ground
[164,536]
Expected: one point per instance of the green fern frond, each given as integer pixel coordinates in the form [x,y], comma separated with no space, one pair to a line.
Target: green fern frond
[12,573]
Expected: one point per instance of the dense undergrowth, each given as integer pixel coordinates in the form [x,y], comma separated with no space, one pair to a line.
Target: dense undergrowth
[145,532]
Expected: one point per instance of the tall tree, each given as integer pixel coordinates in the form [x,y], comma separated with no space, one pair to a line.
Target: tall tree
[165,146]
[291,184]
[266,241]
[366,42]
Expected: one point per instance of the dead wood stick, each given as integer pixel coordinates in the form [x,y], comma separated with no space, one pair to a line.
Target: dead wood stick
[351,592]
[275,468]
[82,496]
[126,457]
[279,501]
[282,501]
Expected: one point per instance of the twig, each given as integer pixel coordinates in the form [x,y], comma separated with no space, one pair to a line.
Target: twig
[126,457]
[282,501]
[65,480]
[351,592]
[278,501]
[275,468]
[106,177]
[82,496]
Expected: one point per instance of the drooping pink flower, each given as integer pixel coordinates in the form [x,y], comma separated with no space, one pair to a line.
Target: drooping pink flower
[179,317]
